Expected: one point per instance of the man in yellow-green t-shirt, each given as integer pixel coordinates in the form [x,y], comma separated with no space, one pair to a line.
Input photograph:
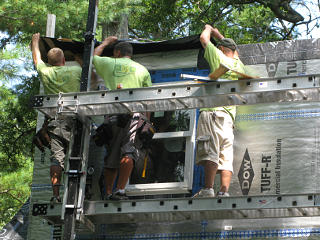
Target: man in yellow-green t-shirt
[120,71]
[56,78]
[215,125]
[125,148]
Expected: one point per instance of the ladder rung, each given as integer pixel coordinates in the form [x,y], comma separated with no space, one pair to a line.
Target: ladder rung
[69,206]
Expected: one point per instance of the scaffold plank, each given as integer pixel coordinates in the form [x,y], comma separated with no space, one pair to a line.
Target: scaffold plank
[181,209]
[182,95]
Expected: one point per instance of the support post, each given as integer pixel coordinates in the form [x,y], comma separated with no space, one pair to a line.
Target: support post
[89,45]
[118,27]
[51,25]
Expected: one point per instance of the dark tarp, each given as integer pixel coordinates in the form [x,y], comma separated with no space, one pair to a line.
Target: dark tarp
[191,42]
[250,54]
[71,47]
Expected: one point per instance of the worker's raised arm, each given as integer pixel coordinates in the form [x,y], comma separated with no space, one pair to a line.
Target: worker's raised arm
[207,33]
[36,55]
[216,34]
[107,41]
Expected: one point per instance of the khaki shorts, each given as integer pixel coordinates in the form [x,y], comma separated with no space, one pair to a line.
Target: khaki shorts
[215,139]
[60,133]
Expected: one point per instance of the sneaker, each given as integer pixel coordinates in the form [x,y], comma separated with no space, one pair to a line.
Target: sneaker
[119,196]
[55,199]
[223,194]
[205,192]
[108,197]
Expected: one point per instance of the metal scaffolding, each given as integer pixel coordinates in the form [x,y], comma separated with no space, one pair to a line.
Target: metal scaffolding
[184,95]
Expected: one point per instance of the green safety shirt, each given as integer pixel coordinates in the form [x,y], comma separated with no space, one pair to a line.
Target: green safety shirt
[214,57]
[121,72]
[57,79]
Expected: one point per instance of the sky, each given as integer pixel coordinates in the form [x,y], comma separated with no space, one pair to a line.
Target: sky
[310,8]
[314,34]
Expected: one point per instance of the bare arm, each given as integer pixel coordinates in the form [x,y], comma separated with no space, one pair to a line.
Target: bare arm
[216,34]
[108,41]
[207,33]
[148,115]
[36,55]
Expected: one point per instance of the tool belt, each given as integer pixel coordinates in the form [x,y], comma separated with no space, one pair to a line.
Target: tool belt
[42,139]
[145,131]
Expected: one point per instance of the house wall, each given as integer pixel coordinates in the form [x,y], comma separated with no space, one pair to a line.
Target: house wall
[279,140]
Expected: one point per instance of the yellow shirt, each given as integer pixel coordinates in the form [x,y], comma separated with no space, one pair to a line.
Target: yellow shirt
[57,79]
[215,57]
[121,72]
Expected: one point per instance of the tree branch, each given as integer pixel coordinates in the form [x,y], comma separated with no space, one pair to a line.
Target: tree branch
[287,31]
[7,192]
[281,8]
[8,73]
[134,32]
[4,42]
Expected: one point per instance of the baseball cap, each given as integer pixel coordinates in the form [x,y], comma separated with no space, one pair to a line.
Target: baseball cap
[227,42]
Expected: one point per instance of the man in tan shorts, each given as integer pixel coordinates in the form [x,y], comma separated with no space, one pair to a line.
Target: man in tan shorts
[215,125]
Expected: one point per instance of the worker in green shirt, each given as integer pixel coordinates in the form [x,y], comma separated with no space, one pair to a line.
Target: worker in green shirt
[56,78]
[120,72]
[215,125]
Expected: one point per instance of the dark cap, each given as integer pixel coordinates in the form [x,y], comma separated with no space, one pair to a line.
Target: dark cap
[227,42]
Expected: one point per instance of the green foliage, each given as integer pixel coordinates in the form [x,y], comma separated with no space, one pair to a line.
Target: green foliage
[159,19]
[245,28]
[152,19]
[21,18]
[17,119]
[8,69]
[14,191]
[13,63]
[17,126]
[162,19]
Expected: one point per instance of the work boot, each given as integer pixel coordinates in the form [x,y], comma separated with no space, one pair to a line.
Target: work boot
[205,192]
